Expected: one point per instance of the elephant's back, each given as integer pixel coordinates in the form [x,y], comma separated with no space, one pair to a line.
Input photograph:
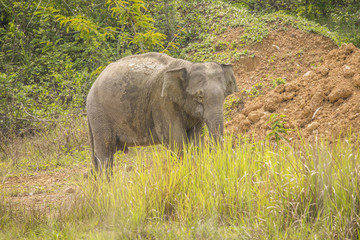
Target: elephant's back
[123,88]
[133,70]
[144,65]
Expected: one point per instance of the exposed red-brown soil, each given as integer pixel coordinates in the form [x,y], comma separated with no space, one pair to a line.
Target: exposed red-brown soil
[284,53]
[320,98]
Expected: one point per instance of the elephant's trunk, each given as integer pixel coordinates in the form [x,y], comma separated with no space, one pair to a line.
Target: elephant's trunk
[215,123]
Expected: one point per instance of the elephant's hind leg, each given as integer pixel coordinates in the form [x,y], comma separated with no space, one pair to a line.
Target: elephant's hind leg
[92,150]
[104,151]
[104,142]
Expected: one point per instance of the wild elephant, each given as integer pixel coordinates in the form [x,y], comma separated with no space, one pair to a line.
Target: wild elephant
[153,98]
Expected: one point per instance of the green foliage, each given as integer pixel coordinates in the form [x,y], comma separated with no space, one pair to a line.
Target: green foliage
[51,52]
[255,90]
[221,45]
[256,31]
[149,40]
[136,24]
[277,127]
[204,31]
[340,16]
[231,103]
[277,81]
[313,8]
[84,26]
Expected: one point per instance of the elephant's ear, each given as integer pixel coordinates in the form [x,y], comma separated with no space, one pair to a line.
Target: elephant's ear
[174,85]
[231,86]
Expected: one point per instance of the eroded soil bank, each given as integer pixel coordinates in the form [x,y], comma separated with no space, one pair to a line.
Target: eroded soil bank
[320,94]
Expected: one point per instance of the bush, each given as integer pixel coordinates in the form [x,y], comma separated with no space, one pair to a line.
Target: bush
[51,52]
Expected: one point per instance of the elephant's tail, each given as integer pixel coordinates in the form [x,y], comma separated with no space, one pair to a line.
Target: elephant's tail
[92,151]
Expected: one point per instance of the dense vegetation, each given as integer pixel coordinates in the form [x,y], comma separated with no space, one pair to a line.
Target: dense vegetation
[339,15]
[52,51]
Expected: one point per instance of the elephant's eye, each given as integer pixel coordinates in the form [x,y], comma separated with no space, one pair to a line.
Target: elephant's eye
[199,98]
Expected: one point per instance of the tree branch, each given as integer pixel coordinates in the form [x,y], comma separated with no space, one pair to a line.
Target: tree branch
[36,119]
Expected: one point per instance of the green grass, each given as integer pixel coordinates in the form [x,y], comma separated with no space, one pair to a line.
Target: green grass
[59,145]
[210,19]
[243,190]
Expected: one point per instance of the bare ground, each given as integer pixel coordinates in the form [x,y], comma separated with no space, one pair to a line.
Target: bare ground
[320,98]
[43,190]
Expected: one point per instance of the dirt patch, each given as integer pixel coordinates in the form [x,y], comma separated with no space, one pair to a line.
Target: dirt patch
[321,95]
[43,190]
[287,53]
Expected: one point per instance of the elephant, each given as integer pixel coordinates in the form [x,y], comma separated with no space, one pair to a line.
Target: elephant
[153,98]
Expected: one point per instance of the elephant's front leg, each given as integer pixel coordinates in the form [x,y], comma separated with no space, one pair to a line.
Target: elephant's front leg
[176,138]
[172,134]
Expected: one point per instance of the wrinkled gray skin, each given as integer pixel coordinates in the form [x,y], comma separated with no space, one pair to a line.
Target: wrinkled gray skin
[151,98]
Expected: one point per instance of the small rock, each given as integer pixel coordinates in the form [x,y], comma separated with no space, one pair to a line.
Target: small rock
[266,115]
[312,126]
[349,48]
[317,99]
[348,73]
[271,102]
[254,116]
[307,74]
[306,113]
[356,81]
[339,102]
[277,47]
[241,117]
[341,92]
[246,122]
[356,108]
[251,108]
[324,71]
[291,87]
[288,96]
[280,88]
[300,123]
[245,125]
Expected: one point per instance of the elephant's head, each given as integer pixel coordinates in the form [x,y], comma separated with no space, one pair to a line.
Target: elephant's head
[201,90]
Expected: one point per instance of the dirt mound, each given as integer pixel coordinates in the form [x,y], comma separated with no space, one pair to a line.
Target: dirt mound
[320,96]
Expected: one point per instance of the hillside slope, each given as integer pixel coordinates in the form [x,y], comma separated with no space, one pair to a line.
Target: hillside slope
[272,55]
[302,75]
